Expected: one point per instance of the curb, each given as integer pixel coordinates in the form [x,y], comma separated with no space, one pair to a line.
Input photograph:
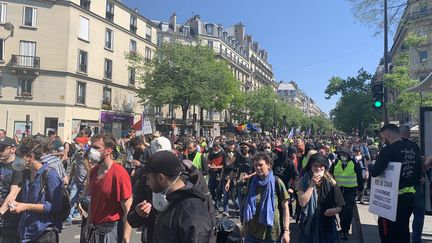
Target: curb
[356,223]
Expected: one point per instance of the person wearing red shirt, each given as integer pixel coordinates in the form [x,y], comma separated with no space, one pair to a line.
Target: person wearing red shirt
[111,194]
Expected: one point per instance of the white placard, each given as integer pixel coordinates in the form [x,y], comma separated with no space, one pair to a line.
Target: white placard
[385,192]
[147,128]
[216,130]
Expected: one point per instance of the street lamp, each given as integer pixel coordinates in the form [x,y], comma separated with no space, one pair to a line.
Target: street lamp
[9,27]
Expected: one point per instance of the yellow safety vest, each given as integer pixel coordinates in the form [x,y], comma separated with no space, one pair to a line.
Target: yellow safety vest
[197,161]
[347,177]
[409,189]
[304,162]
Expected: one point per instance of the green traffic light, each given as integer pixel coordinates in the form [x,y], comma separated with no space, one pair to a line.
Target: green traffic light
[378,104]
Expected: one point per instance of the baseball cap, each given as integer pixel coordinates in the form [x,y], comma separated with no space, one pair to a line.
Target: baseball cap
[164,162]
[6,142]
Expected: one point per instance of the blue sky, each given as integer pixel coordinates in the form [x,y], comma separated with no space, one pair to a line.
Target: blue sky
[308,41]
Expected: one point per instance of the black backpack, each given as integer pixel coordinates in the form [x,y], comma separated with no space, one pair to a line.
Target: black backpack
[63,214]
[228,232]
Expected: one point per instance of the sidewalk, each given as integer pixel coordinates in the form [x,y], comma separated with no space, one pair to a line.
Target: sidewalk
[369,225]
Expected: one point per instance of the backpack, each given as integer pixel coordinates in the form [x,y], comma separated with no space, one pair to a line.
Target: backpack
[227,232]
[63,214]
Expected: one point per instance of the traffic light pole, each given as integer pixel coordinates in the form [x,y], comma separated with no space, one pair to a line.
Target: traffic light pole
[386,61]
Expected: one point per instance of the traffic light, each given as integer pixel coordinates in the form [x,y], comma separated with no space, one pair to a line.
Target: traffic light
[378,95]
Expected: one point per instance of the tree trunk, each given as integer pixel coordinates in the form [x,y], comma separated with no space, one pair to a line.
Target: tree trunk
[201,121]
[183,124]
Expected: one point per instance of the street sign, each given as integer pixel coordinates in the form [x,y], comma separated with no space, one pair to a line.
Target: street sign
[384,194]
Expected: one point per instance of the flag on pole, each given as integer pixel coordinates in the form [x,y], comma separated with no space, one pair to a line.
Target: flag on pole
[291,133]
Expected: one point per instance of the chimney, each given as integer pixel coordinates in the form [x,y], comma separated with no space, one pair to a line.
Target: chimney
[173,22]
[239,32]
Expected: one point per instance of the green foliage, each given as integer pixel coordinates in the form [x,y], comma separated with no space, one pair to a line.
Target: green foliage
[354,109]
[264,102]
[185,75]
[400,79]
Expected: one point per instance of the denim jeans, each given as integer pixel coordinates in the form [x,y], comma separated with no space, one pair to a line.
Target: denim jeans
[75,191]
[214,187]
[419,213]
[226,194]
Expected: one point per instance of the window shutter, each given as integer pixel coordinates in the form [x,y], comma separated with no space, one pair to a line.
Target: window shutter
[34,17]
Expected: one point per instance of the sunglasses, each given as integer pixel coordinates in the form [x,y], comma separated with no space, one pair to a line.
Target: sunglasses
[244,147]
[267,147]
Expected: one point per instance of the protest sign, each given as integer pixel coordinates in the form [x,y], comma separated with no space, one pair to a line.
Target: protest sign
[146,128]
[385,191]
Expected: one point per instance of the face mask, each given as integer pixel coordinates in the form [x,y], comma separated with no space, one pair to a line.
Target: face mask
[344,158]
[95,155]
[267,150]
[320,174]
[230,154]
[19,164]
[159,201]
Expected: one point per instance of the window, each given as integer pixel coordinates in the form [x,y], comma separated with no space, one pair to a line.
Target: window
[109,37]
[82,61]
[25,87]
[109,11]
[85,4]
[27,54]
[147,54]
[3,13]
[108,69]
[148,33]
[29,17]
[210,44]
[131,76]
[209,29]
[106,96]
[84,29]
[133,24]
[133,46]
[81,93]
[186,31]
[423,56]
[1,49]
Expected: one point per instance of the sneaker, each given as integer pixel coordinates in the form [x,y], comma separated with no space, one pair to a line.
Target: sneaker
[344,236]
[225,215]
[76,217]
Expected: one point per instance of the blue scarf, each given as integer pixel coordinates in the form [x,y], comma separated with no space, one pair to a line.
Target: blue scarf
[308,219]
[267,209]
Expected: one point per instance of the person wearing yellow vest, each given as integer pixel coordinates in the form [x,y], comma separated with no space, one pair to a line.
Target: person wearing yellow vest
[198,159]
[400,151]
[348,175]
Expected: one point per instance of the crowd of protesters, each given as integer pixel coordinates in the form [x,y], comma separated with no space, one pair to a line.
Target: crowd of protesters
[179,189]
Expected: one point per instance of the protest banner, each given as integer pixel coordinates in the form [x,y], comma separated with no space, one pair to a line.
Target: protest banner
[385,192]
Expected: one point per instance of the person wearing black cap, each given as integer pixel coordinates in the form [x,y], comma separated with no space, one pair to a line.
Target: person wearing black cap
[320,199]
[10,186]
[349,176]
[182,215]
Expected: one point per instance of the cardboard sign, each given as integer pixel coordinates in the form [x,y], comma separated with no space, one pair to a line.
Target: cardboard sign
[147,129]
[385,192]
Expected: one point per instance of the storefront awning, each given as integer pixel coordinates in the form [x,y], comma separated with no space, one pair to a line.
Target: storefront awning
[423,86]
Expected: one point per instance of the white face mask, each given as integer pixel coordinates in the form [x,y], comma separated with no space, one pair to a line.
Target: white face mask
[267,150]
[159,201]
[230,154]
[95,155]
[344,158]
[320,174]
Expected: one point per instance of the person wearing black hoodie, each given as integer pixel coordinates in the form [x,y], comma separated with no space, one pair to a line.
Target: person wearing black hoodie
[177,212]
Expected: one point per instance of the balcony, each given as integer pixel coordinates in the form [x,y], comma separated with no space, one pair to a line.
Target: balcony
[231,59]
[25,64]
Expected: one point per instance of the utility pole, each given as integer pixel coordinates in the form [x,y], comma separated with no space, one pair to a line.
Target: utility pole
[386,61]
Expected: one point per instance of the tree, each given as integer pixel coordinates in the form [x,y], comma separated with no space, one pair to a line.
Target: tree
[354,109]
[371,12]
[399,79]
[184,75]
[261,103]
